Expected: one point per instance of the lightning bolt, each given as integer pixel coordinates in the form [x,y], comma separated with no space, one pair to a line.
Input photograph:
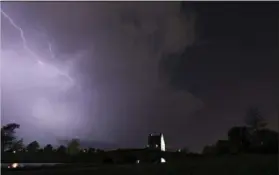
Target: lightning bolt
[25,46]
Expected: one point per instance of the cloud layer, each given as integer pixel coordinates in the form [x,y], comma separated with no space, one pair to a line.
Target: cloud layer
[117,96]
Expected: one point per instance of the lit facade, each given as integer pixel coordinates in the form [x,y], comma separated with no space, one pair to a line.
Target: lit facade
[156,141]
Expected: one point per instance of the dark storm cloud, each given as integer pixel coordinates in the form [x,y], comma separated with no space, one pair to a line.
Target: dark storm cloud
[121,98]
[141,67]
[236,68]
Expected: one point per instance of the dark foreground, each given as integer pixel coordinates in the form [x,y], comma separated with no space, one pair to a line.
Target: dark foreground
[225,165]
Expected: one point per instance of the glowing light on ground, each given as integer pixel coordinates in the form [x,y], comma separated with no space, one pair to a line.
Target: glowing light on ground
[15,165]
[163,160]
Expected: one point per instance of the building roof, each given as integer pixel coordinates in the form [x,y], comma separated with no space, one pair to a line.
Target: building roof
[154,139]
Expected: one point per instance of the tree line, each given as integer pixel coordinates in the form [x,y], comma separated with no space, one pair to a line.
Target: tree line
[13,149]
[253,137]
[10,143]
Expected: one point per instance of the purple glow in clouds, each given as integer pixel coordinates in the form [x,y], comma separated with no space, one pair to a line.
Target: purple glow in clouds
[39,88]
[96,70]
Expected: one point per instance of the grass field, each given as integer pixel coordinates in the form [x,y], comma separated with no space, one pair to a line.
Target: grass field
[223,165]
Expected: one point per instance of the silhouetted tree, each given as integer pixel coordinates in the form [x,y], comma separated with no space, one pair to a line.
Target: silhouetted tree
[255,119]
[266,141]
[239,138]
[91,150]
[48,148]
[17,145]
[40,150]
[269,140]
[73,147]
[8,137]
[61,149]
[33,146]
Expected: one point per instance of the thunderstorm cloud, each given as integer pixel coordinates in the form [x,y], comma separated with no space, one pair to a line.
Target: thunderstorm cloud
[112,72]
[111,52]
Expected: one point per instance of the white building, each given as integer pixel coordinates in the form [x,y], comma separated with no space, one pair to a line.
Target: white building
[156,141]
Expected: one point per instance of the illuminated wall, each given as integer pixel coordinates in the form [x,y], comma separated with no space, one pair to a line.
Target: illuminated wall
[156,141]
[162,144]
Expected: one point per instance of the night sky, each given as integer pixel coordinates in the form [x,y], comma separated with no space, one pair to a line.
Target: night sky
[112,72]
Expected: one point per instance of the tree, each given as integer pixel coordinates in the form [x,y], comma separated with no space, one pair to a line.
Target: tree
[61,149]
[269,140]
[33,146]
[73,147]
[266,141]
[17,145]
[239,138]
[48,148]
[91,150]
[8,137]
[255,119]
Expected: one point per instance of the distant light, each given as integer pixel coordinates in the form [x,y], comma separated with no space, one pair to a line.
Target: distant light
[14,152]
[179,150]
[156,146]
[147,145]
[138,161]
[163,160]
[84,150]
[15,165]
